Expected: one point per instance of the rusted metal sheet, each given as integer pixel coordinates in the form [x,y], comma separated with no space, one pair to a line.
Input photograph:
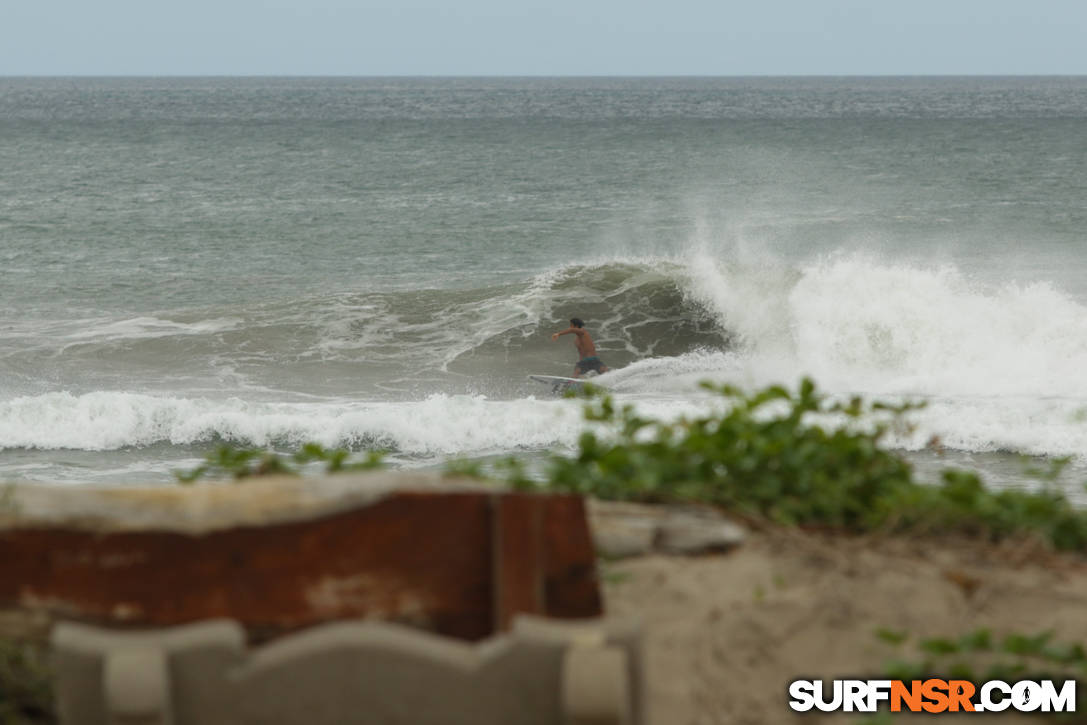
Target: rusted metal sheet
[570,582]
[460,564]
[518,550]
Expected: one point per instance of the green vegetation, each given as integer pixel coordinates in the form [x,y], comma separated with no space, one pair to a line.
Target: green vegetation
[246,462]
[963,504]
[26,684]
[979,656]
[7,499]
[762,456]
[769,456]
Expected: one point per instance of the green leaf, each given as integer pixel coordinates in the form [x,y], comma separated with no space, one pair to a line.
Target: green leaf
[891,636]
[939,646]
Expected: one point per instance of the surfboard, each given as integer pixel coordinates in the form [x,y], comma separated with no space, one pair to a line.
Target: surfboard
[559,384]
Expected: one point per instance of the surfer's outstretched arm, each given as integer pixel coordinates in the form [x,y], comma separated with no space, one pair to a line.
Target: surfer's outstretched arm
[567,331]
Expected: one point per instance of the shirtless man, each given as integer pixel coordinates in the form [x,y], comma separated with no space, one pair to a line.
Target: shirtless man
[585,348]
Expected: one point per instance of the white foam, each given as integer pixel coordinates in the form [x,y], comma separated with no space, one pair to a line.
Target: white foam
[149,327]
[437,428]
[931,331]
[439,425]
[1001,367]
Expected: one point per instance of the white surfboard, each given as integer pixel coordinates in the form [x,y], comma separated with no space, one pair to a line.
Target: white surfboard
[559,384]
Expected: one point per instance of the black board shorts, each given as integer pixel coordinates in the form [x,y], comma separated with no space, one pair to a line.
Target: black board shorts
[586,364]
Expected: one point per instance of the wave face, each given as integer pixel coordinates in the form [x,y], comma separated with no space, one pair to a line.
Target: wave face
[437,373]
[389,345]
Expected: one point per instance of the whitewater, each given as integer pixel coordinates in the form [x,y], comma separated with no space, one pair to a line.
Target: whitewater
[998,367]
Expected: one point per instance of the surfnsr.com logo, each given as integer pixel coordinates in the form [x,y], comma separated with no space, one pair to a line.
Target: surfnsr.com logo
[932,696]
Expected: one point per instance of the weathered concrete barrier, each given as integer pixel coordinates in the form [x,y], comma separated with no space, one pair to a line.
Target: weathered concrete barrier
[542,673]
[280,554]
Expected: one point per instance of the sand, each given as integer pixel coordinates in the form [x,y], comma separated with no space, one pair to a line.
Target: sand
[726,633]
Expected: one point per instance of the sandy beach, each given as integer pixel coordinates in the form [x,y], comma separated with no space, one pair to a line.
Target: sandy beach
[726,633]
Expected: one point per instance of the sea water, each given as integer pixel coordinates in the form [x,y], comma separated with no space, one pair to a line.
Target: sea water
[380,262]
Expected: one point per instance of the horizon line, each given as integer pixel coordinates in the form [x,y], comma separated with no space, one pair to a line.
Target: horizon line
[542,75]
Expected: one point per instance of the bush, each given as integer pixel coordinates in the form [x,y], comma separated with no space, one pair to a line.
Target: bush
[763,456]
[980,655]
[246,462]
[767,455]
[963,504]
[26,687]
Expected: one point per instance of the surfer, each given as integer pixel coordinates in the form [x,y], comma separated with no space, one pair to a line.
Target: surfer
[585,348]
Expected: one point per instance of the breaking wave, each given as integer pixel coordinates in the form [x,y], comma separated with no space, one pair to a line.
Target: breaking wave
[442,372]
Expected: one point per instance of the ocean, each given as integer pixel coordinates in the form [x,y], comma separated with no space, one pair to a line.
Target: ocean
[380,262]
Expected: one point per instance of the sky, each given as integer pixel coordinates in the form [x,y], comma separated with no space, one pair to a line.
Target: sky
[562,37]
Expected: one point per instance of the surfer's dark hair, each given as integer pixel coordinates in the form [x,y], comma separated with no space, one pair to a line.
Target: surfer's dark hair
[576,322]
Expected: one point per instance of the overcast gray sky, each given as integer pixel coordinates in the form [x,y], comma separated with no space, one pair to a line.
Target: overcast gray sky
[562,37]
